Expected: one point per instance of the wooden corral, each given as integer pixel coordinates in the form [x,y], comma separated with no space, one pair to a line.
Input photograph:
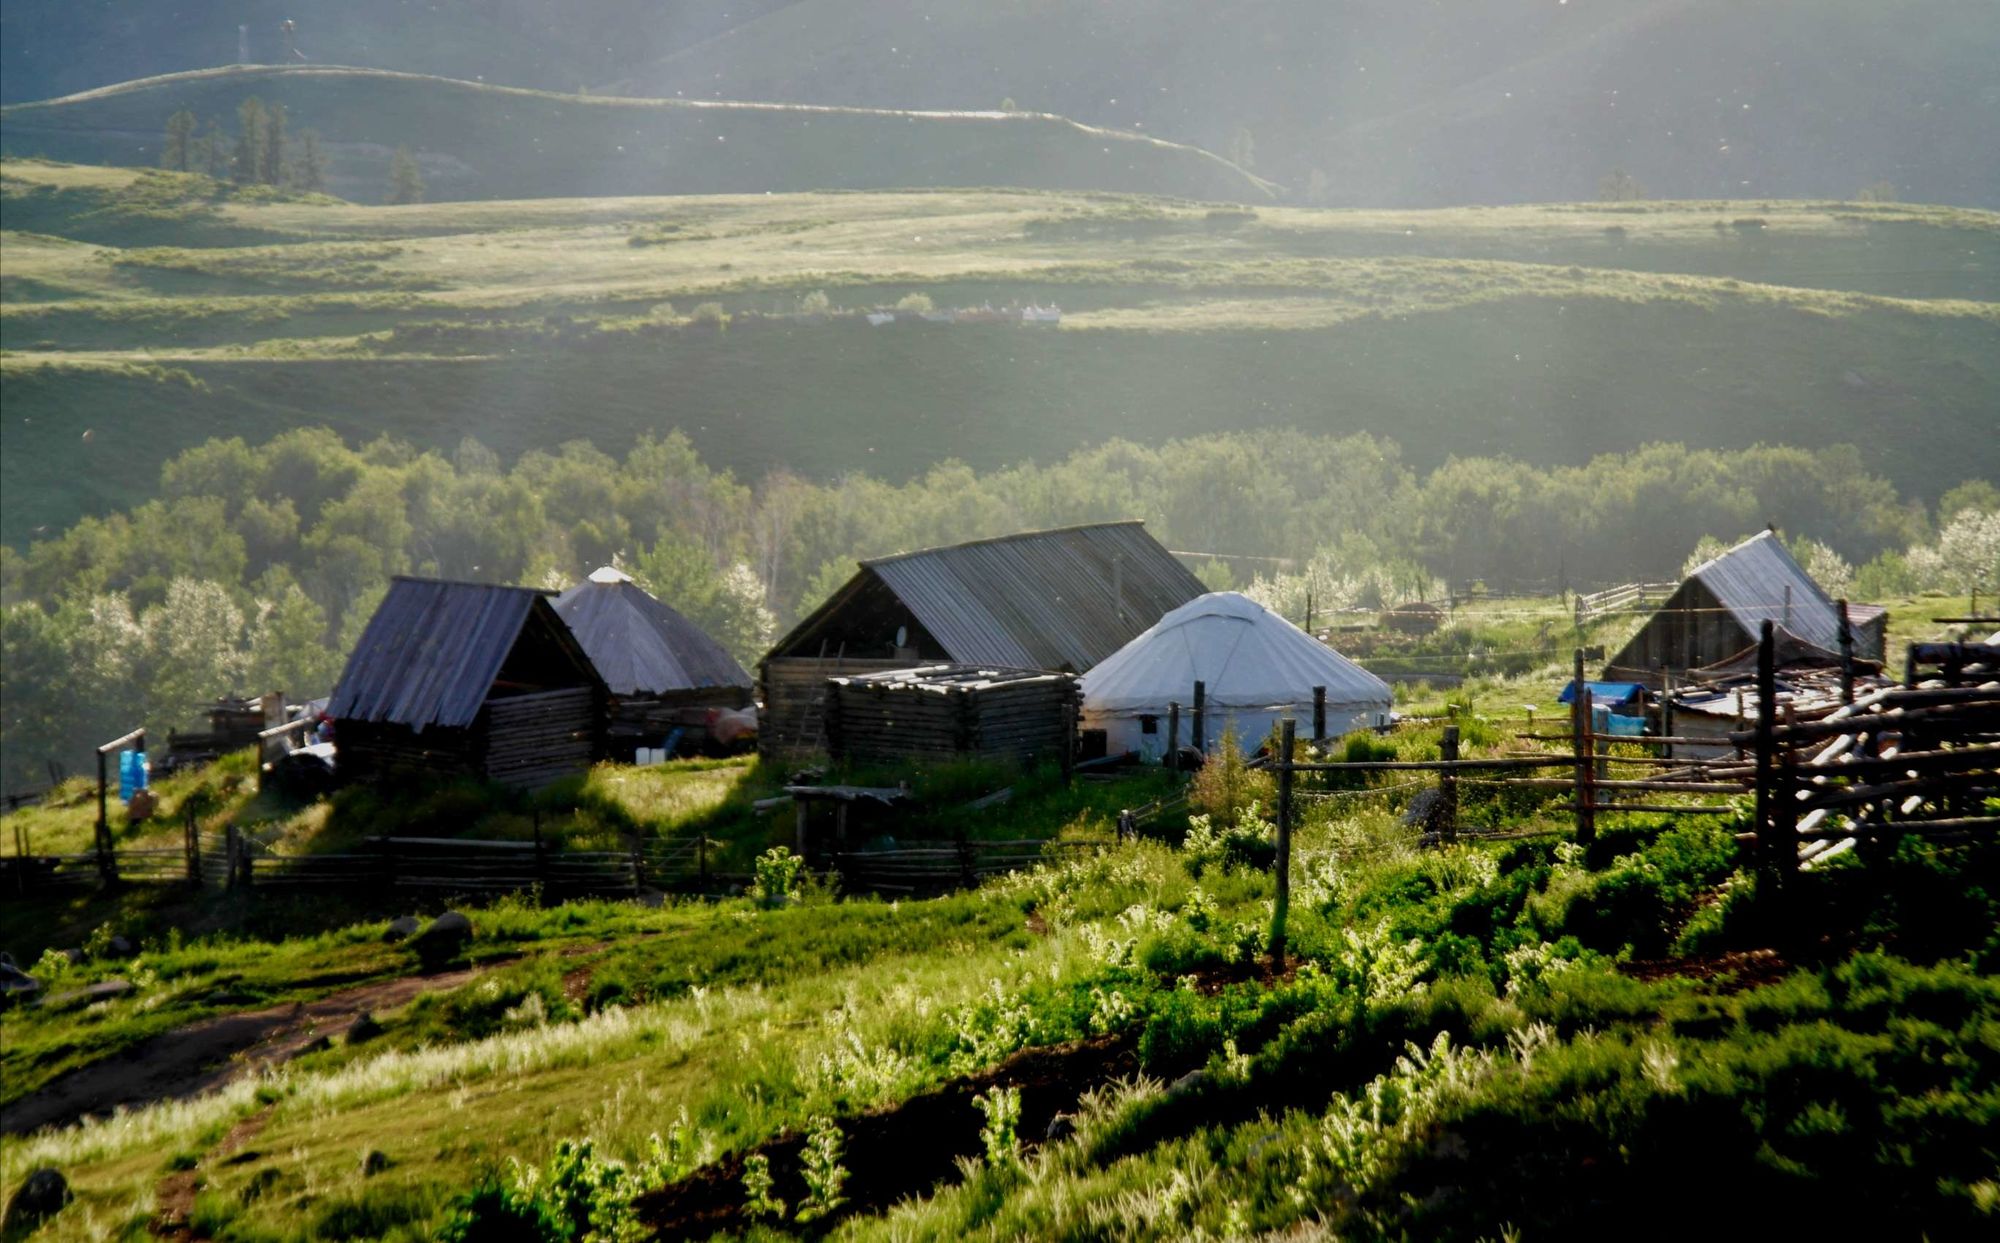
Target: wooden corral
[467,680]
[1061,599]
[944,712]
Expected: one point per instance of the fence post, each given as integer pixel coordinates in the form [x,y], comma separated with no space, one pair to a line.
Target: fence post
[1127,830]
[1319,716]
[231,846]
[1580,726]
[191,841]
[968,874]
[1201,717]
[1667,708]
[1768,843]
[1846,657]
[1448,785]
[107,867]
[1174,736]
[1282,904]
[541,863]
[1069,739]
[701,859]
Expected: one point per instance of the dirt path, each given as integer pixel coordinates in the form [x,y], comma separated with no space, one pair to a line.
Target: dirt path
[901,1151]
[176,1192]
[201,1057]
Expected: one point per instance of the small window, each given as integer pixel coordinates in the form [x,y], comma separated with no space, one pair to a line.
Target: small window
[1149,725]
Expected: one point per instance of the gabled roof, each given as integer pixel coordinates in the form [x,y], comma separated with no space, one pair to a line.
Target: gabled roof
[1752,579]
[1246,656]
[1038,600]
[433,649]
[640,645]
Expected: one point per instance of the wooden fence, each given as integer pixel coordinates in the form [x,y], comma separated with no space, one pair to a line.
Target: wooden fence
[238,860]
[1617,599]
[946,866]
[1922,759]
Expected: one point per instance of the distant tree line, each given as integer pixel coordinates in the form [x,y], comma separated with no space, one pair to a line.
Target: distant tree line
[256,566]
[263,151]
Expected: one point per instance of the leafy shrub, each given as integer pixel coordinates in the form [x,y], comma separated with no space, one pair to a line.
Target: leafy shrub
[1002,1110]
[777,876]
[1249,842]
[824,1174]
[1226,784]
[758,1202]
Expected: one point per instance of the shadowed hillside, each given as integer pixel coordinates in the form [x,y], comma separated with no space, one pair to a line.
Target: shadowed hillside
[1553,332]
[479,141]
[1387,101]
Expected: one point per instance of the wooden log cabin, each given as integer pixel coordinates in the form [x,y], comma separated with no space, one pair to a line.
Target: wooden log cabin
[1716,613]
[1060,599]
[664,673]
[467,680]
[951,712]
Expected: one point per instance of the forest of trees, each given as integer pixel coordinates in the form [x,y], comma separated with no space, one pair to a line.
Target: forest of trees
[262,152]
[256,566]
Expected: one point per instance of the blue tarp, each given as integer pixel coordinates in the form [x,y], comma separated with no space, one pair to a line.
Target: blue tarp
[1605,692]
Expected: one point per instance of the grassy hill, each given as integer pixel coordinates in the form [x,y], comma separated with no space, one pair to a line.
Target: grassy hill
[480,141]
[1519,1035]
[1422,104]
[1551,333]
[1388,101]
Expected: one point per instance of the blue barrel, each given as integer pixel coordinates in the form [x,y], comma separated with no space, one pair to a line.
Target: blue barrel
[131,773]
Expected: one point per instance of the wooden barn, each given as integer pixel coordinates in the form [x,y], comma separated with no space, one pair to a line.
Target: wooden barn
[1718,610]
[467,680]
[951,712]
[664,674]
[1062,599]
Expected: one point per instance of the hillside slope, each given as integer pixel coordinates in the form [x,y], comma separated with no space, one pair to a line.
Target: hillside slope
[1388,101]
[1421,104]
[480,141]
[1550,333]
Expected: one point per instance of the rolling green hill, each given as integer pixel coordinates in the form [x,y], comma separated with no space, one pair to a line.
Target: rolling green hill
[1550,333]
[1386,101]
[476,141]
[1422,104]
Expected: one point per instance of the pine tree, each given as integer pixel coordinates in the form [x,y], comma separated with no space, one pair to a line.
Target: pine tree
[243,163]
[406,180]
[271,155]
[308,172]
[178,154]
[215,150]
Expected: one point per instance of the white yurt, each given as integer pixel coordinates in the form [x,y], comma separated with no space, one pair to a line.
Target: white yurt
[1257,668]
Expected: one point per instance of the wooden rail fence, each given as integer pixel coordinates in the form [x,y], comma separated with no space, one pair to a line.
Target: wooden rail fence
[1616,599]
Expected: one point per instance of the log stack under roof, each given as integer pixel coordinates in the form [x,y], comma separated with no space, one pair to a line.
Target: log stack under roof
[951,712]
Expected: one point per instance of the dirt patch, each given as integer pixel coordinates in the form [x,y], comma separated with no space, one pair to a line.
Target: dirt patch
[176,1192]
[902,1151]
[1730,973]
[201,1057]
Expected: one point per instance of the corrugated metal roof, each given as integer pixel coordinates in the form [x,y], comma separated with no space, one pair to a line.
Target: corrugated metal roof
[1752,579]
[432,651]
[1041,599]
[639,644]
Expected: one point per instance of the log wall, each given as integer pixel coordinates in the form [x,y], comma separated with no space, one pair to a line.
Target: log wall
[1019,719]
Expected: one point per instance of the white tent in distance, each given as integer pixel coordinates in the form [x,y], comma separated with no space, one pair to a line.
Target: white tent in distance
[1255,666]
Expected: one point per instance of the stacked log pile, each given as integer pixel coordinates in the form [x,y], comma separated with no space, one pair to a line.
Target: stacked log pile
[945,712]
